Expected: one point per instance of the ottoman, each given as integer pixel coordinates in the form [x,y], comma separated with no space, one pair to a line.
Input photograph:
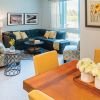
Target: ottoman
[71,52]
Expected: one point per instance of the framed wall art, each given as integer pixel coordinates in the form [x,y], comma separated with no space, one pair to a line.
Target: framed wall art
[15,18]
[92,15]
[31,18]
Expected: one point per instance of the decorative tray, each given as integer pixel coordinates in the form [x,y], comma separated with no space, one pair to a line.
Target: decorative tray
[89,86]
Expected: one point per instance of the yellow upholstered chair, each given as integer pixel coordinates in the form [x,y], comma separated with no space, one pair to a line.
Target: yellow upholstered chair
[38,95]
[45,62]
[97,56]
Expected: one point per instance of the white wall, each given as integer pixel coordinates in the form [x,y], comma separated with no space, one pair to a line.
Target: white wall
[90,37]
[45,14]
[20,6]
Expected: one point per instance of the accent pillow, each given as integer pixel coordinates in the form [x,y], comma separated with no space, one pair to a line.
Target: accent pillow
[46,35]
[17,34]
[52,34]
[23,35]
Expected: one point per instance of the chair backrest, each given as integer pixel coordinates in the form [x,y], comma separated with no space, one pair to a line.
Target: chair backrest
[97,56]
[45,62]
[38,95]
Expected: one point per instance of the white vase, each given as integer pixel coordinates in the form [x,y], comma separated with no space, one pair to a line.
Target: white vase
[12,49]
[86,77]
[97,82]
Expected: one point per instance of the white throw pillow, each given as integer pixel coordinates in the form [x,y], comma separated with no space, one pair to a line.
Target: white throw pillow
[46,35]
[18,35]
[23,35]
[52,34]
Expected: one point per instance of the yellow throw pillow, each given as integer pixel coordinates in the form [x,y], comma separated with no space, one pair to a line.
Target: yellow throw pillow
[23,35]
[17,34]
[46,35]
[52,34]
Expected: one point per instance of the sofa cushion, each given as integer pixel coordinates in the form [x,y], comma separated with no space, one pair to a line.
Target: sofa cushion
[23,35]
[61,35]
[27,32]
[52,34]
[18,35]
[37,32]
[46,35]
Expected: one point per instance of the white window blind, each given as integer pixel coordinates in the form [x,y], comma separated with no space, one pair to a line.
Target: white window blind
[55,18]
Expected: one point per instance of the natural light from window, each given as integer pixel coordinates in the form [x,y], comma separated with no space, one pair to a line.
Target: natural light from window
[65,16]
[73,19]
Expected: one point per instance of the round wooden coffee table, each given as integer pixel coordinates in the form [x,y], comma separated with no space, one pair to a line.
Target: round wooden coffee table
[33,47]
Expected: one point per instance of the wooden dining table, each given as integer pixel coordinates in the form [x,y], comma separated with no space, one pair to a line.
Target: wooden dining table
[59,84]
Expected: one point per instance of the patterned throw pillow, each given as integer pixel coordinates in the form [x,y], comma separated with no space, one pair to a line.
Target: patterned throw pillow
[23,35]
[52,34]
[46,35]
[17,34]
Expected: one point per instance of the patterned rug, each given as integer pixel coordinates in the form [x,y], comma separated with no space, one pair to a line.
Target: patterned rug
[27,56]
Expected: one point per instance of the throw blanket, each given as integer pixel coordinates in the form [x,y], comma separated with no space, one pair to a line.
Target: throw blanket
[56,44]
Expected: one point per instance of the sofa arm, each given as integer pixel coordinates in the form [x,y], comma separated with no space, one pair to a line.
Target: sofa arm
[62,46]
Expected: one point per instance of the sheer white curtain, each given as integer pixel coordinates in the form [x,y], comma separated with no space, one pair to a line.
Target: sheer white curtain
[55,14]
[58,13]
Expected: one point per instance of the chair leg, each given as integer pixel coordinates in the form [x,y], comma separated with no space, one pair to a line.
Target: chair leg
[65,61]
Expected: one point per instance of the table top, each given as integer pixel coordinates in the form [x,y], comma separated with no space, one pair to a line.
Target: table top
[32,43]
[59,84]
[12,53]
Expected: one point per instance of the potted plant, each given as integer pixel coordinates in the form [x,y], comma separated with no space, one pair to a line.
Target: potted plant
[12,48]
[96,73]
[85,66]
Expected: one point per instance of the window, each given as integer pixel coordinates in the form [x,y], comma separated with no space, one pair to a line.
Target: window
[65,15]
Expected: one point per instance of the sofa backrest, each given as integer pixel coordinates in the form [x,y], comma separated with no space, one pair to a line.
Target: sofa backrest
[40,32]
[34,32]
[61,35]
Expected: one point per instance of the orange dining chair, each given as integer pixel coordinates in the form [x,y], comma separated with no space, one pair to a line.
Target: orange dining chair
[45,62]
[97,56]
[38,95]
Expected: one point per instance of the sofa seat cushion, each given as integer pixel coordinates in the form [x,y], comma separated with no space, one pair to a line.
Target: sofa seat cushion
[22,45]
[21,41]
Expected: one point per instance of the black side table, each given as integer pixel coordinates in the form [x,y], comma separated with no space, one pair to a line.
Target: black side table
[12,61]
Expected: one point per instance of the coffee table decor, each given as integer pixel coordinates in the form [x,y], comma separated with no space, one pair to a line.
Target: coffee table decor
[32,40]
[34,47]
[12,48]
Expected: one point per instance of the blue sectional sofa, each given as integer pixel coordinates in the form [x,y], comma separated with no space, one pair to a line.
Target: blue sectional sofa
[36,34]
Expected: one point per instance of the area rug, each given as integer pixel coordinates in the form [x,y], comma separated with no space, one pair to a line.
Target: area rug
[27,56]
